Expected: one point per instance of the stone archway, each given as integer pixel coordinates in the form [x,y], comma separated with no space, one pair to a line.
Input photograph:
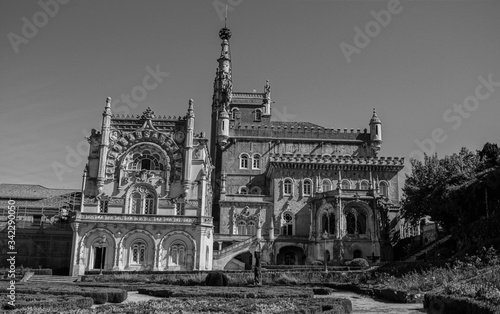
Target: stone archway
[125,249]
[291,255]
[97,243]
[177,250]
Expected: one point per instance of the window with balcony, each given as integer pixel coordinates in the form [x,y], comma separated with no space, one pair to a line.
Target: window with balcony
[242,227]
[142,201]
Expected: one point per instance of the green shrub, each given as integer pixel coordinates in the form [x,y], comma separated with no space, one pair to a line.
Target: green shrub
[53,302]
[217,279]
[360,262]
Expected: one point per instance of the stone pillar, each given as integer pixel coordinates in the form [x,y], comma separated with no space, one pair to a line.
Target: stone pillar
[76,268]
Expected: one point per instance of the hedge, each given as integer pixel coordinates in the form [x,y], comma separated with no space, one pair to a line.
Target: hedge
[227,292]
[53,302]
[446,304]
[235,305]
[99,295]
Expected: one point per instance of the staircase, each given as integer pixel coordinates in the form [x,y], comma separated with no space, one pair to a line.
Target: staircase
[50,278]
[428,249]
[222,257]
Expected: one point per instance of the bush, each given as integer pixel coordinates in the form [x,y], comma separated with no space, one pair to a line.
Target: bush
[53,302]
[360,262]
[99,295]
[216,279]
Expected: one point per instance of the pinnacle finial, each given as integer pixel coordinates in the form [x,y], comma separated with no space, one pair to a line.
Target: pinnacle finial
[190,112]
[108,102]
[224,33]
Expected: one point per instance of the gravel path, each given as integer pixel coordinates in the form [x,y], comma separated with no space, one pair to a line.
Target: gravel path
[366,304]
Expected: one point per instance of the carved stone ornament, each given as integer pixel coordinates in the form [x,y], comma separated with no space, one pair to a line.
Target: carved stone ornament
[148,114]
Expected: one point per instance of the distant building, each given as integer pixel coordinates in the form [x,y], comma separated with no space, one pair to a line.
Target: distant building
[304,192]
[42,234]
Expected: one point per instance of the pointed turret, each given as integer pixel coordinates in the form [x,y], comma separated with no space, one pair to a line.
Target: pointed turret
[223,128]
[103,147]
[223,79]
[375,132]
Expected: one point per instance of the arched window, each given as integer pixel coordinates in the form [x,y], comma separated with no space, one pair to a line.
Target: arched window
[177,254]
[327,185]
[351,223]
[242,228]
[138,253]
[324,222]
[256,190]
[142,201]
[288,220]
[357,254]
[135,203]
[384,189]
[364,185]
[244,161]
[243,190]
[234,113]
[307,187]
[256,161]
[146,161]
[332,223]
[361,223]
[287,187]
[251,228]
[346,185]
[258,115]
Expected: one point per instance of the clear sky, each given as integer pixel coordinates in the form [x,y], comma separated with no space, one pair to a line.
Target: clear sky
[417,70]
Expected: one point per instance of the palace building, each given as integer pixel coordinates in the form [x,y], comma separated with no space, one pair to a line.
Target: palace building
[156,196]
[299,192]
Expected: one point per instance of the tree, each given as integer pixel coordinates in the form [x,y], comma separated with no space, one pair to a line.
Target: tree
[425,189]
[456,191]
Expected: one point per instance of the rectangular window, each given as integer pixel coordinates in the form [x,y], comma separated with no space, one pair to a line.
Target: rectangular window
[149,206]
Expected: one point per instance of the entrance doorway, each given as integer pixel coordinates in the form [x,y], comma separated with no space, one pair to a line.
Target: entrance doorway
[99,257]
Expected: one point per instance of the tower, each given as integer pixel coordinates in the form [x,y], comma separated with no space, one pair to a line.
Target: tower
[375,132]
[223,89]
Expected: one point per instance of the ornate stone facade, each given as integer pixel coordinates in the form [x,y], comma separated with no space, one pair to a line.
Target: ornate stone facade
[147,196]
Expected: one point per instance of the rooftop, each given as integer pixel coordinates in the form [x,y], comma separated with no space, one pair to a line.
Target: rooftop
[31,191]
